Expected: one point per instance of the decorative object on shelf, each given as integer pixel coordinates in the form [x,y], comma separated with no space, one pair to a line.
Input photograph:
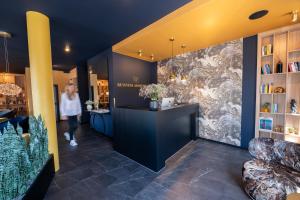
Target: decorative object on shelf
[266,88]
[154,92]
[275,108]
[293,105]
[279,90]
[294,66]
[7,85]
[266,107]
[267,50]
[266,124]
[266,69]
[21,163]
[279,129]
[292,130]
[89,105]
[279,67]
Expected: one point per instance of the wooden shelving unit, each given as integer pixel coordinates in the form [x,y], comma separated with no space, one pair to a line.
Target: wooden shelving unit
[103,93]
[285,44]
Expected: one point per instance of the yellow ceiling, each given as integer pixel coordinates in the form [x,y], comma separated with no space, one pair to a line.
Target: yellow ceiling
[202,23]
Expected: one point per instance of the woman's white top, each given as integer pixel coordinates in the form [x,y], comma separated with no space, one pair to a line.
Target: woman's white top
[70,107]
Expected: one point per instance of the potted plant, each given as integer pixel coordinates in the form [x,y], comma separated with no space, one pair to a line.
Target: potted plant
[266,107]
[89,105]
[154,92]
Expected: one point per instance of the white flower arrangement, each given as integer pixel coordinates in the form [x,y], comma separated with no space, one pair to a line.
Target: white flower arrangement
[153,91]
[89,102]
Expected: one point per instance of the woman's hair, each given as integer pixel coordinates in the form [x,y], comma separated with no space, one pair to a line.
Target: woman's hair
[71,94]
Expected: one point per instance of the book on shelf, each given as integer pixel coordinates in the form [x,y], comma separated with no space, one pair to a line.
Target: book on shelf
[266,88]
[267,50]
[294,66]
[266,69]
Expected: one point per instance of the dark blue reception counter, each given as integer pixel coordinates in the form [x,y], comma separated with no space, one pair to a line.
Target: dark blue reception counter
[151,137]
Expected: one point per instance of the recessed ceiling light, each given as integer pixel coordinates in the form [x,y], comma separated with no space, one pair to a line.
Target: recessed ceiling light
[67,48]
[140,53]
[295,16]
[258,14]
[152,57]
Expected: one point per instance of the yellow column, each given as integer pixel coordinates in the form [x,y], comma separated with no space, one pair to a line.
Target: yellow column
[39,46]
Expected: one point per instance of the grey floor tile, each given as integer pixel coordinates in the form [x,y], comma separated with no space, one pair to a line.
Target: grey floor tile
[202,170]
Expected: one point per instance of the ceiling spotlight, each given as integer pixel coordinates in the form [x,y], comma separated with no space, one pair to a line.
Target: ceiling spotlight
[294,16]
[258,14]
[67,48]
[152,57]
[140,53]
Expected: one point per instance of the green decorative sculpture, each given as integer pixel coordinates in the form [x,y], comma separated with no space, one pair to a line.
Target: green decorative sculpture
[19,163]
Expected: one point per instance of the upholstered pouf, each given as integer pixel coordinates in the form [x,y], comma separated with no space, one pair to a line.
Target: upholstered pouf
[274,172]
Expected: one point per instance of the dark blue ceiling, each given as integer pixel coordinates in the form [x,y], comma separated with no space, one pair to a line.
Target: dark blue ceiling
[90,26]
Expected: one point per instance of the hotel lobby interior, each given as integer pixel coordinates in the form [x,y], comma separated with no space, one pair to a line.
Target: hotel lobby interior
[150,100]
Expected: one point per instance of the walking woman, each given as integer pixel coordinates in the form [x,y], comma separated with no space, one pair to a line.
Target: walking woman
[70,109]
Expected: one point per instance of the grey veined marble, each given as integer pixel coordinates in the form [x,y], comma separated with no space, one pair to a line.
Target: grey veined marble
[214,80]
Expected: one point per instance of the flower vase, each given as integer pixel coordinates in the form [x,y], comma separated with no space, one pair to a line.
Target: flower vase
[89,107]
[153,106]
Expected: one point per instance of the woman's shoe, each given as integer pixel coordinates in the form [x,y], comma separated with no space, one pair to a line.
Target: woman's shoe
[67,136]
[73,143]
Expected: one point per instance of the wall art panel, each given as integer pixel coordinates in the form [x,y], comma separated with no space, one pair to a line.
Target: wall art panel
[211,77]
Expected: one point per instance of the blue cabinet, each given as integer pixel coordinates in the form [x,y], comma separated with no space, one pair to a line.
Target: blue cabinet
[101,122]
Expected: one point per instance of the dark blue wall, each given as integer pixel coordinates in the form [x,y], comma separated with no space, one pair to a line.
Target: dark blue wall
[99,64]
[83,84]
[124,70]
[249,90]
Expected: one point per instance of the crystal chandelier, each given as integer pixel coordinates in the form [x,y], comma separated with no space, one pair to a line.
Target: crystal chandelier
[7,83]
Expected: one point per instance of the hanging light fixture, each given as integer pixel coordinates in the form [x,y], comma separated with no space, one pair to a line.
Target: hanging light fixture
[152,57]
[7,83]
[294,15]
[183,77]
[172,75]
[140,53]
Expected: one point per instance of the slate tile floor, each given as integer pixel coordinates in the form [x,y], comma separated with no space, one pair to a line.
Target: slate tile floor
[201,170]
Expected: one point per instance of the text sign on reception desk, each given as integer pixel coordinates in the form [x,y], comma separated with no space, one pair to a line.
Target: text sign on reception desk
[130,85]
[135,83]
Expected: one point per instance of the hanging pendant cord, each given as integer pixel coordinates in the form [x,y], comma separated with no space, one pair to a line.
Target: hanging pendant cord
[172,51]
[6,55]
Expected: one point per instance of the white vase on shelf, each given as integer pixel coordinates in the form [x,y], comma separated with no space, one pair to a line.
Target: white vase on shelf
[89,107]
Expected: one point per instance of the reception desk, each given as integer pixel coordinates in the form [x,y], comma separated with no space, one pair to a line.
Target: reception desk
[151,137]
